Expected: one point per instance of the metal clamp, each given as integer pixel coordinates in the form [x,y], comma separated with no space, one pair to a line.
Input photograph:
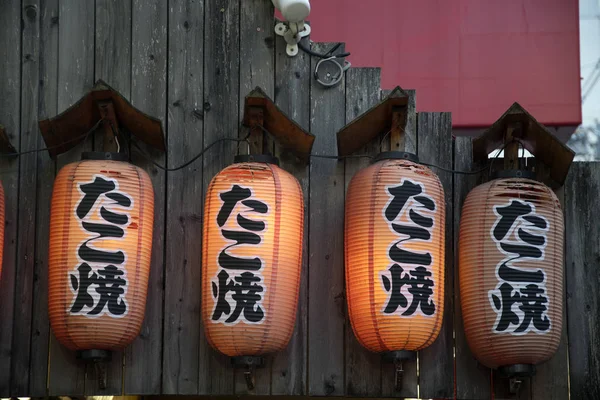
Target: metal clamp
[331,79]
[292,32]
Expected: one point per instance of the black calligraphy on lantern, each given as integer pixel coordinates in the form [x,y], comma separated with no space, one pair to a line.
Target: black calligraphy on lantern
[520,299]
[409,281]
[99,283]
[238,287]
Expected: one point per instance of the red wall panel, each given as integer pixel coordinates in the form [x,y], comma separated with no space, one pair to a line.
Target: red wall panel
[471,57]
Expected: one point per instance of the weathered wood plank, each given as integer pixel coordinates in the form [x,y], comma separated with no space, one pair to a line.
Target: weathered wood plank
[257,68]
[143,358]
[113,65]
[184,222]
[409,378]
[292,96]
[363,367]
[113,51]
[472,378]
[551,380]
[27,201]
[46,167]
[221,116]
[326,240]
[436,362]
[583,278]
[75,78]
[10,87]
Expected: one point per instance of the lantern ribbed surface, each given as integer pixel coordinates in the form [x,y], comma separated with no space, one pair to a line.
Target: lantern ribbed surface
[251,258]
[394,255]
[100,247]
[511,271]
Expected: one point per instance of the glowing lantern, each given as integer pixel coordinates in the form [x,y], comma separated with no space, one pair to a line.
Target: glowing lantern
[100,247]
[252,253]
[511,272]
[394,249]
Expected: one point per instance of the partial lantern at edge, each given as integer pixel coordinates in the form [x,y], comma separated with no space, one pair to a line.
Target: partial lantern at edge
[511,272]
[1,228]
[101,226]
[394,254]
[251,257]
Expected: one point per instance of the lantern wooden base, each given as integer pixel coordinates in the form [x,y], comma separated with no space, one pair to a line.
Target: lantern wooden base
[104,155]
[517,370]
[512,173]
[94,355]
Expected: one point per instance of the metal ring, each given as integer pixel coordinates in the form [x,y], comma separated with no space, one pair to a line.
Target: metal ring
[338,79]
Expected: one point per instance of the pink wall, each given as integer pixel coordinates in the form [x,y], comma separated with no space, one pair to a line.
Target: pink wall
[471,57]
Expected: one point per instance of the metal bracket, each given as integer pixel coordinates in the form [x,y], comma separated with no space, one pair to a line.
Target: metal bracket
[515,385]
[398,376]
[249,363]
[111,125]
[292,32]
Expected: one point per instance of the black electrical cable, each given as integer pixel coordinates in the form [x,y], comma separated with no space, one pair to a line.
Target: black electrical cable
[329,54]
[83,136]
[162,167]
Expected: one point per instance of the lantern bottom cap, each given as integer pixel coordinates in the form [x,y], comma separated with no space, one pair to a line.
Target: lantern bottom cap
[398,355]
[248,361]
[94,355]
[517,370]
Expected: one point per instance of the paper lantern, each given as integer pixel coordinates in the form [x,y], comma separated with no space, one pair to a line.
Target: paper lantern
[100,246]
[511,272]
[251,257]
[394,248]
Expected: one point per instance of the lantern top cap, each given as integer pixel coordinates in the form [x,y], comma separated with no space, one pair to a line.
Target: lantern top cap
[5,145]
[104,155]
[513,173]
[259,158]
[533,136]
[260,109]
[64,131]
[373,122]
[396,155]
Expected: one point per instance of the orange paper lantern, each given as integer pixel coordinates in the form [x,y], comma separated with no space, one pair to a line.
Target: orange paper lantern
[100,246]
[511,272]
[394,247]
[251,257]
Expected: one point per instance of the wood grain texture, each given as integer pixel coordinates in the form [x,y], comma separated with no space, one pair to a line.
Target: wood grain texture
[75,78]
[143,358]
[551,380]
[472,378]
[27,201]
[257,68]
[326,302]
[113,49]
[184,221]
[221,116]
[363,367]
[436,362]
[10,87]
[46,167]
[583,278]
[292,96]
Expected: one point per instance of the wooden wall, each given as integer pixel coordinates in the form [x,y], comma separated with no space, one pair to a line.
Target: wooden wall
[190,63]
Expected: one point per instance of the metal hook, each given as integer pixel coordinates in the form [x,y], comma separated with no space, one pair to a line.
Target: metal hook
[398,376]
[249,376]
[100,374]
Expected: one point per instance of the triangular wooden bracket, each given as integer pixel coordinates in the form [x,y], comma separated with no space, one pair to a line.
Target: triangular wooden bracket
[5,146]
[65,131]
[388,113]
[517,123]
[260,109]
